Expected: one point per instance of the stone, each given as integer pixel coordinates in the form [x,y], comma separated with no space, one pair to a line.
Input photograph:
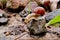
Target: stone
[51,15]
[3,21]
[36,26]
[28,9]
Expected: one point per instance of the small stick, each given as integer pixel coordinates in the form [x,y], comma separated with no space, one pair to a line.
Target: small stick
[20,35]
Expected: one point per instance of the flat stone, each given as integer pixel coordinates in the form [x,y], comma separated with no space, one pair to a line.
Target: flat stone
[51,15]
[3,21]
[28,9]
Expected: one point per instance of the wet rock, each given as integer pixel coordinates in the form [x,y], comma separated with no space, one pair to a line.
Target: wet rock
[51,15]
[28,9]
[3,21]
[16,5]
[3,18]
[36,26]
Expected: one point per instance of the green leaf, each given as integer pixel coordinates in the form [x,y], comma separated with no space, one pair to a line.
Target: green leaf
[54,20]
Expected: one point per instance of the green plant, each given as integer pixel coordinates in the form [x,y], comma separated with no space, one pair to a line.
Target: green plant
[54,20]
